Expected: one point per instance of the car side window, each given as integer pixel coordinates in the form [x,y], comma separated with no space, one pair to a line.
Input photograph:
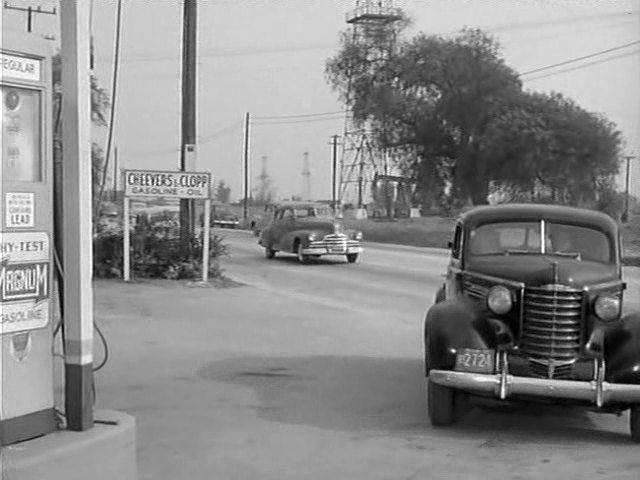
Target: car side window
[457,242]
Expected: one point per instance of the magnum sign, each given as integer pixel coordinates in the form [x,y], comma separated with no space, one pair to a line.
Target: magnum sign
[24,281]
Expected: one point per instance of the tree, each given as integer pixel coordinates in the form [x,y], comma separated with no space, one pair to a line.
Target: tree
[223,192]
[546,142]
[99,107]
[458,113]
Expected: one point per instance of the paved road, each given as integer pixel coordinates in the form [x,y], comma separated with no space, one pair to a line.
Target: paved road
[315,372]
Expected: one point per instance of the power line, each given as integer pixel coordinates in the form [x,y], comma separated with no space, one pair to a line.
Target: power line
[578,59]
[560,21]
[220,133]
[290,122]
[578,67]
[201,141]
[300,115]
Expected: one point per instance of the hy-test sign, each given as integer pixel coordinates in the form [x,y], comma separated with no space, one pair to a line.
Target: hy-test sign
[154,183]
[25,288]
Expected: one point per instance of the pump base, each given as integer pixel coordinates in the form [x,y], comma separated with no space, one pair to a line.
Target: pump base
[26,427]
[106,451]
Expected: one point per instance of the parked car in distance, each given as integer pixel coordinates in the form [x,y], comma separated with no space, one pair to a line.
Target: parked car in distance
[531,309]
[309,230]
[225,220]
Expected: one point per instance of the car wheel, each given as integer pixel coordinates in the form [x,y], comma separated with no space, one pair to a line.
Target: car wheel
[352,257]
[634,423]
[440,404]
[269,252]
[302,258]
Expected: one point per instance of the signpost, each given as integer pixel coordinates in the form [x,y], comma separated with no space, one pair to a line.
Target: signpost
[167,184]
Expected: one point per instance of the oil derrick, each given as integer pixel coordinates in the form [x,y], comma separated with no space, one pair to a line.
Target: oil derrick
[306,178]
[373,26]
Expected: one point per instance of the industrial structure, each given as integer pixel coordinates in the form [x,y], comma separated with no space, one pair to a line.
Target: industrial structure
[363,159]
[306,178]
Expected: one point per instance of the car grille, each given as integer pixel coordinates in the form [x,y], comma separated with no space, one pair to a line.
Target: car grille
[335,242]
[551,327]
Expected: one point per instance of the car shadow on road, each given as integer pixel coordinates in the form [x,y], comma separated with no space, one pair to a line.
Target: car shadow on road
[291,259]
[385,396]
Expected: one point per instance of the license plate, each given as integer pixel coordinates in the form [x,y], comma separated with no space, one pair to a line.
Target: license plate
[336,250]
[475,360]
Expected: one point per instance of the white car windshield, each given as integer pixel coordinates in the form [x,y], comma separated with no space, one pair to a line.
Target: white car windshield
[506,238]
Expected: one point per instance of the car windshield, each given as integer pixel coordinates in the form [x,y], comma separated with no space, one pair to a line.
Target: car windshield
[323,212]
[513,238]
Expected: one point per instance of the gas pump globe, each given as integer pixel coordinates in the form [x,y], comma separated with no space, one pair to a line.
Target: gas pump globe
[26,242]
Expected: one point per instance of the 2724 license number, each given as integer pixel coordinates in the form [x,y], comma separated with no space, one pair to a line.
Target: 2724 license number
[475,360]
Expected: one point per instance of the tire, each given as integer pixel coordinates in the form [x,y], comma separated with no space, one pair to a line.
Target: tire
[269,252]
[634,423]
[302,258]
[352,257]
[440,404]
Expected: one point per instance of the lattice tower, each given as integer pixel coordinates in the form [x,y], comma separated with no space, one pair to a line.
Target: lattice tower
[362,158]
[306,178]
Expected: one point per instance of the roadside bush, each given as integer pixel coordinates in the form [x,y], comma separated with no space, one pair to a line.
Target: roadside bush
[156,252]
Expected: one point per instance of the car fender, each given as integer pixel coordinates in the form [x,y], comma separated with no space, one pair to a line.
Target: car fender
[451,325]
[622,350]
[287,241]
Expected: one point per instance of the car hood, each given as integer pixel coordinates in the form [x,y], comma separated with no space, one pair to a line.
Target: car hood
[325,225]
[536,270]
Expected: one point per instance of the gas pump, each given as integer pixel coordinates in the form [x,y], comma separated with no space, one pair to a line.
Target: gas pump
[26,241]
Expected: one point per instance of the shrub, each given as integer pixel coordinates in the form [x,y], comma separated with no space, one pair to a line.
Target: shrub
[156,252]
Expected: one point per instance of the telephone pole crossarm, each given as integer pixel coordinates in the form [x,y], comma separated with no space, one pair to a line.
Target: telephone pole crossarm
[30,11]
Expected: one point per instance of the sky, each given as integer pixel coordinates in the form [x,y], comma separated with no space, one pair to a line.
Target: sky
[267,57]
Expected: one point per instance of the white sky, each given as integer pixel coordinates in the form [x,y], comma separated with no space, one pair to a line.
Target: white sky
[267,57]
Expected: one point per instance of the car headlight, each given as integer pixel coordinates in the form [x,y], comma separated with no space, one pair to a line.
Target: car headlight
[607,307]
[499,300]
[357,236]
[313,236]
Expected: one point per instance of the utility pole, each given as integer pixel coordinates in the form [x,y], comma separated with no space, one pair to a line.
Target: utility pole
[30,11]
[115,174]
[334,169]
[76,219]
[189,76]
[625,214]
[245,157]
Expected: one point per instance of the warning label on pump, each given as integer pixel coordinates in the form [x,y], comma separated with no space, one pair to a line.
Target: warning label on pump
[20,208]
[25,276]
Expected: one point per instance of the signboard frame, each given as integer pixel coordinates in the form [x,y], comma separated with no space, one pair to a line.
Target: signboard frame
[194,185]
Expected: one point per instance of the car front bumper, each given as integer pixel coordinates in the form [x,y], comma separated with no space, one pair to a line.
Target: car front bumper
[331,248]
[504,386]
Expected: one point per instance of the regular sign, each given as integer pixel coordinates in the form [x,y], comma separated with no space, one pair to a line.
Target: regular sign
[156,183]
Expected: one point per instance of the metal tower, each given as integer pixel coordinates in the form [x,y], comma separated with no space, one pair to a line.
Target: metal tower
[306,178]
[362,158]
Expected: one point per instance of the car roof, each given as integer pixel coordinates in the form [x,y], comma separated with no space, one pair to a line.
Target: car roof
[536,211]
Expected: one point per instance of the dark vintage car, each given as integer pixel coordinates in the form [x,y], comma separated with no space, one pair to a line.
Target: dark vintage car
[531,309]
[309,230]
